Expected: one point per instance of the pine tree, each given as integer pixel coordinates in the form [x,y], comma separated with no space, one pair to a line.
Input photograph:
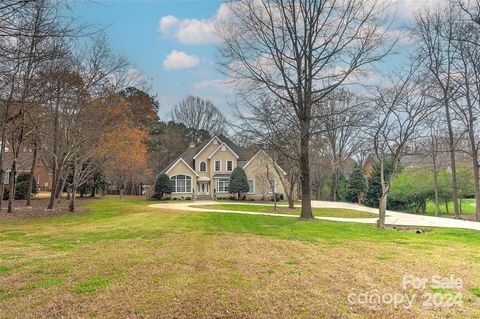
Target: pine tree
[238,182]
[162,186]
[374,190]
[357,185]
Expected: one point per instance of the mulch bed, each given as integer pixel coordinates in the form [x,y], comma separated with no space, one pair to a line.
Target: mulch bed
[38,208]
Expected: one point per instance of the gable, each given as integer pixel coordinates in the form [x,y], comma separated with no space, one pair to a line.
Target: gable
[208,148]
[223,148]
[261,154]
[180,167]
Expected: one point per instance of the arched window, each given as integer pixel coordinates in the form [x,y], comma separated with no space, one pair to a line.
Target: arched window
[203,167]
[181,184]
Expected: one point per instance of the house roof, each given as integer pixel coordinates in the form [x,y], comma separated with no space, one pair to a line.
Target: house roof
[189,155]
[24,161]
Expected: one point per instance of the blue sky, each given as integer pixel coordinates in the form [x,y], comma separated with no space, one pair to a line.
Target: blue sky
[133,29]
[171,43]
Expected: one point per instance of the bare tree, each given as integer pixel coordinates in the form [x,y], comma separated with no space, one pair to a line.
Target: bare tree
[297,52]
[199,114]
[468,100]
[435,31]
[30,47]
[400,109]
[432,145]
[345,115]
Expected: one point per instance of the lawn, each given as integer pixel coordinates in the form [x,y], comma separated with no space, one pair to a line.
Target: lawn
[131,260]
[320,212]
[467,207]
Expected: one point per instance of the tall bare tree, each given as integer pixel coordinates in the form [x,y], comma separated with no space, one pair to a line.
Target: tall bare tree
[199,114]
[435,31]
[297,52]
[399,111]
[345,115]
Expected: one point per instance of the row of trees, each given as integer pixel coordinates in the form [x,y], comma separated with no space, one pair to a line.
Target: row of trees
[296,66]
[66,99]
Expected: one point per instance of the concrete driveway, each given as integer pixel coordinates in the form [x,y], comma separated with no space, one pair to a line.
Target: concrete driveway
[393,218]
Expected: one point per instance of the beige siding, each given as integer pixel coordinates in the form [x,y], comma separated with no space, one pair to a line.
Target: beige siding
[181,169]
[257,171]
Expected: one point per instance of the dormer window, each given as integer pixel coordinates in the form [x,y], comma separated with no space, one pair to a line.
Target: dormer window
[203,167]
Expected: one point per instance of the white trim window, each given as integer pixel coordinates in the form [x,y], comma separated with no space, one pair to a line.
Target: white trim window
[270,190]
[181,184]
[251,186]
[218,166]
[202,166]
[222,185]
[229,166]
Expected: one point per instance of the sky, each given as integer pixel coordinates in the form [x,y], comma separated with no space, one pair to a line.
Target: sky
[171,43]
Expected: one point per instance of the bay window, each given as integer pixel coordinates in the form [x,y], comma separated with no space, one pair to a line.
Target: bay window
[181,184]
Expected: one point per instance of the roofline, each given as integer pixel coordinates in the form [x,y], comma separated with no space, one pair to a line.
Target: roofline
[181,159]
[223,143]
[206,145]
[284,173]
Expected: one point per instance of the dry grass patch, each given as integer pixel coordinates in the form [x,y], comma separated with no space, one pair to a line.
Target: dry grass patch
[182,265]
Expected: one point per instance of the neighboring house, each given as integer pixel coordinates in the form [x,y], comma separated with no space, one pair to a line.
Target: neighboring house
[203,172]
[24,164]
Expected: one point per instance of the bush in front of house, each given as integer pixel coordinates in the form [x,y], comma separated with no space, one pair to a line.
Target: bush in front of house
[238,182]
[21,187]
[162,186]
[278,197]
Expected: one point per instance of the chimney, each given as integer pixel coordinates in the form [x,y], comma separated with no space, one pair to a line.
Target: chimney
[191,145]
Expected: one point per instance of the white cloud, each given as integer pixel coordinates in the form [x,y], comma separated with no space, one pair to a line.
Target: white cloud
[180,60]
[193,31]
[168,24]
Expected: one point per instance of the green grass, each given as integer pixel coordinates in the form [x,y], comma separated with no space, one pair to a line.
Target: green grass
[320,212]
[91,285]
[131,260]
[475,292]
[467,207]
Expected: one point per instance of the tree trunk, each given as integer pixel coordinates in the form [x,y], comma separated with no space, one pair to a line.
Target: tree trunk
[2,156]
[291,200]
[382,211]
[435,190]
[382,205]
[335,186]
[453,166]
[53,189]
[59,192]
[13,175]
[71,206]
[94,191]
[305,173]
[32,174]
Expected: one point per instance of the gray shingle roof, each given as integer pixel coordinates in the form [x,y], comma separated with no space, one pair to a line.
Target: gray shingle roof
[190,153]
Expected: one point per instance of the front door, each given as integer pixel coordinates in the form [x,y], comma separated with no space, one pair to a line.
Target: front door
[203,188]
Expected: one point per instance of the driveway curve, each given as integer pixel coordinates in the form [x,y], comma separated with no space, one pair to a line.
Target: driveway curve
[393,218]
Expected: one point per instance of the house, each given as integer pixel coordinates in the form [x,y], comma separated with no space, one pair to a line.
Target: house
[203,171]
[24,164]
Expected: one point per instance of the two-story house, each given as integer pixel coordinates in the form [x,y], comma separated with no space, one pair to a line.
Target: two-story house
[203,171]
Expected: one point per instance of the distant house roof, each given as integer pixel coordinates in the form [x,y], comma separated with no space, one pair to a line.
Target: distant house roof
[24,161]
[189,155]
